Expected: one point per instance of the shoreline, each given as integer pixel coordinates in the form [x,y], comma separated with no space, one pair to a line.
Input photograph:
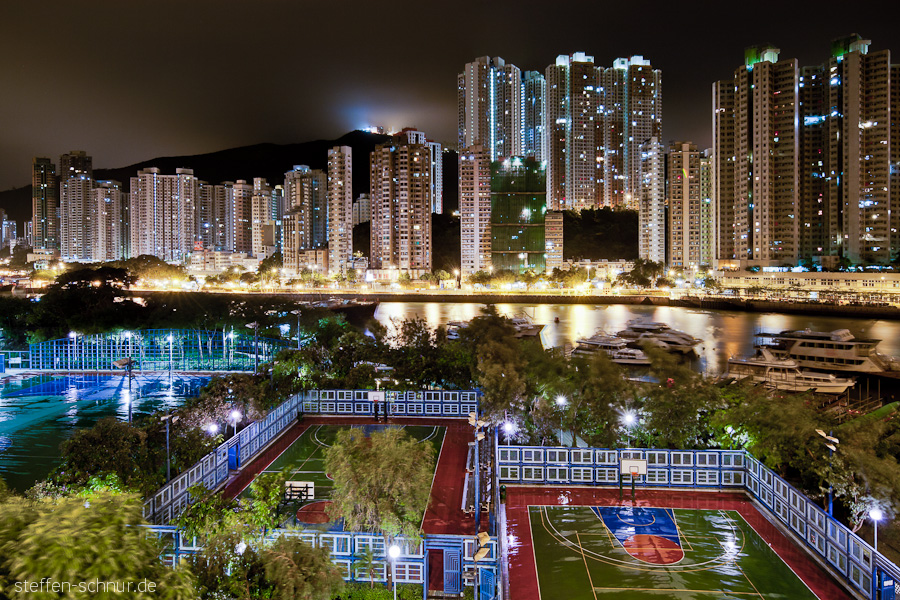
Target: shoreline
[832,309]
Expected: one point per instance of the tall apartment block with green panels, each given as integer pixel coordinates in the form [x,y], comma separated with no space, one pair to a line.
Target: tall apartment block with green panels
[518,206]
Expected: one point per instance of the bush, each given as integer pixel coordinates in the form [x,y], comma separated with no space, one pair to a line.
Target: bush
[362,591]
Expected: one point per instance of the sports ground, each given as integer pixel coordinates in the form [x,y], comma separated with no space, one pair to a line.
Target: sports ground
[586,544]
[301,452]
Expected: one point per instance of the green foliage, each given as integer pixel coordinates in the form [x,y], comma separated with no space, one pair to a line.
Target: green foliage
[601,233]
[298,570]
[362,591]
[675,411]
[82,540]
[110,447]
[14,328]
[382,482]
[644,274]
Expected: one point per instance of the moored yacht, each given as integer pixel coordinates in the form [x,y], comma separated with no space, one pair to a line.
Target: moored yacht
[615,347]
[639,332]
[837,350]
[784,374]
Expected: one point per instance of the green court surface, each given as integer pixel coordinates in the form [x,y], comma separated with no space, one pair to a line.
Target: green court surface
[305,458]
[589,553]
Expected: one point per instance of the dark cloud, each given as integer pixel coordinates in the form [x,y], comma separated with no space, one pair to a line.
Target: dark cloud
[128,81]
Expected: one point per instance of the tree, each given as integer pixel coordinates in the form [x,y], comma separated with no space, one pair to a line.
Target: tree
[109,447]
[298,570]
[676,409]
[84,539]
[382,483]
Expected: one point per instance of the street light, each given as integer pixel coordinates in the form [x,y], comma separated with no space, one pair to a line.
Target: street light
[561,401]
[629,419]
[509,428]
[212,428]
[171,339]
[297,312]
[234,418]
[255,327]
[394,553]
[876,515]
[172,418]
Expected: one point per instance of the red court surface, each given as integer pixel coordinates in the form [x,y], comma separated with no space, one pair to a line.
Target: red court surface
[444,515]
[520,561]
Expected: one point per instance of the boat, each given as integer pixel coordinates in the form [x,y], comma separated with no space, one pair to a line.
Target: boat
[615,347]
[784,374]
[837,350]
[639,332]
[524,327]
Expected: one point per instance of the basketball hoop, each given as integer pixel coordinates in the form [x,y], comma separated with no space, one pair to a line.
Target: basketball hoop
[634,471]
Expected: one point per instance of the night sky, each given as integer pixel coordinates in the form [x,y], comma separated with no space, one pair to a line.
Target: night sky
[130,80]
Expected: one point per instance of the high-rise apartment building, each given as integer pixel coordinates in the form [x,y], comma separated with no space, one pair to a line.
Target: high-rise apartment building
[684,200]
[362,209]
[162,213]
[652,203]
[631,103]
[239,216]
[109,242]
[340,208]
[762,99]
[518,206]
[554,239]
[76,162]
[707,215]
[212,224]
[475,209]
[489,94]
[305,196]
[265,219]
[534,90]
[574,134]
[77,215]
[7,231]
[44,204]
[400,185]
[804,157]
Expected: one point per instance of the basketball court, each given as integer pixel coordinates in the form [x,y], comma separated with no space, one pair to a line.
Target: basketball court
[581,543]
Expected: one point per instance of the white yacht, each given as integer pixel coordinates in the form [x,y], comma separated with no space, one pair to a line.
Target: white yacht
[639,332]
[524,327]
[615,347]
[836,350]
[784,374]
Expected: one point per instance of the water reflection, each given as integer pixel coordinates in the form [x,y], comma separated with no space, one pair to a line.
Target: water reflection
[724,333]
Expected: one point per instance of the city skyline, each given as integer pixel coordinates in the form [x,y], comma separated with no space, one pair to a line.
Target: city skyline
[66,89]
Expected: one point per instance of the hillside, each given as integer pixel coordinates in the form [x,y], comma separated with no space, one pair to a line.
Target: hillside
[261,160]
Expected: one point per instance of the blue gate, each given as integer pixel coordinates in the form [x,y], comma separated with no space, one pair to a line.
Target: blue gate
[234,456]
[487,585]
[452,575]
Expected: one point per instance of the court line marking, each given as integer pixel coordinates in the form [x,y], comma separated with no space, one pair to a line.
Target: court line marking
[584,558]
[748,580]
[264,470]
[622,544]
[775,552]
[563,541]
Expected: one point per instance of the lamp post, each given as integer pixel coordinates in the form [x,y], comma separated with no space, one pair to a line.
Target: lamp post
[234,418]
[297,312]
[458,278]
[394,554]
[876,516]
[171,355]
[509,428]
[167,419]
[561,401]
[72,336]
[830,443]
[255,327]
[629,419]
